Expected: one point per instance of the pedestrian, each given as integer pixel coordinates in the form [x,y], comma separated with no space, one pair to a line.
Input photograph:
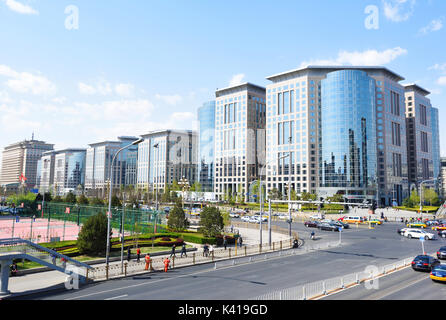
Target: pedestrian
[148,260]
[14,269]
[211,250]
[53,258]
[138,254]
[240,241]
[129,254]
[232,228]
[166,264]
[225,242]
[205,250]
[183,250]
[173,251]
[34,218]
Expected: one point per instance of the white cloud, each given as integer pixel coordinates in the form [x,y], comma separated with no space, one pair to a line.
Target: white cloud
[101,87]
[236,79]
[439,67]
[398,10]
[442,81]
[25,82]
[124,89]
[20,7]
[170,99]
[358,58]
[434,25]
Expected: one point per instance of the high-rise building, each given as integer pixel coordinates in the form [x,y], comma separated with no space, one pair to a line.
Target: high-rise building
[348,122]
[436,157]
[98,161]
[420,143]
[166,156]
[206,118]
[443,177]
[69,170]
[22,158]
[294,105]
[240,118]
[46,172]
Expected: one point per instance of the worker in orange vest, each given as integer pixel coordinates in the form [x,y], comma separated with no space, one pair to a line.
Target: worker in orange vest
[166,264]
[148,260]
[138,254]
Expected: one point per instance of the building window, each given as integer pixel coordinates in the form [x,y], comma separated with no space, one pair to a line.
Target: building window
[397,171]
[394,103]
[396,134]
[424,142]
[285,132]
[423,115]
[425,168]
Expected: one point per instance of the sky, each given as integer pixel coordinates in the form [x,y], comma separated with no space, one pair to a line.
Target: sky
[78,72]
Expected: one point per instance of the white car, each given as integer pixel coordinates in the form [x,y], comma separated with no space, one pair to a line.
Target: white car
[254,219]
[417,233]
[234,215]
[317,216]
[246,218]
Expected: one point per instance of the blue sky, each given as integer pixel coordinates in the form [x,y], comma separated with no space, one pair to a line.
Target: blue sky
[129,67]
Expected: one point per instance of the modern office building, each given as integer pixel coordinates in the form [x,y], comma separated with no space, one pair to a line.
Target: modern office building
[436,156]
[240,118]
[98,161]
[348,139]
[22,158]
[69,170]
[294,105]
[46,172]
[206,118]
[166,156]
[443,177]
[421,120]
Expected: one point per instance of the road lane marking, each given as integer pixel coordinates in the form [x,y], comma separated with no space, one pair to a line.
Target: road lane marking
[113,298]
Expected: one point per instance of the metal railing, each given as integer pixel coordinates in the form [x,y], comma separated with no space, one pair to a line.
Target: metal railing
[321,288]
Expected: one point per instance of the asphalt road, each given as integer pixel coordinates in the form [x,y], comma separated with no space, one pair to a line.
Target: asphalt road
[360,248]
[406,284]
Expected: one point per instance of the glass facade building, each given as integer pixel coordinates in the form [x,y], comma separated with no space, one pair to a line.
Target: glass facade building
[348,136]
[435,143]
[69,170]
[206,118]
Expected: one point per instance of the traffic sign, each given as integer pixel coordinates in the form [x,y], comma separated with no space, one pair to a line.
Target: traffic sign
[421,238]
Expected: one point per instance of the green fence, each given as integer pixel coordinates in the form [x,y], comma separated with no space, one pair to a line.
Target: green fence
[133,221]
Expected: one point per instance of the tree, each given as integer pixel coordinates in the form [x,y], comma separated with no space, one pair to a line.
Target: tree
[57,199]
[274,194]
[70,198]
[175,186]
[430,196]
[96,201]
[82,199]
[196,187]
[115,201]
[177,219]
[211,221]
[92,238]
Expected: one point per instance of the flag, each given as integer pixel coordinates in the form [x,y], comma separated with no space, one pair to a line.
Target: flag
[109,215]
[22,178]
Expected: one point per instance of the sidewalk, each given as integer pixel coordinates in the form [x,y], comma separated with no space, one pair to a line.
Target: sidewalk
[50,280]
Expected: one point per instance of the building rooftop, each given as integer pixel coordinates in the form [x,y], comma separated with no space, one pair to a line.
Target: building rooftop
[167,131]
[240,87]
[417,88]
[278,76]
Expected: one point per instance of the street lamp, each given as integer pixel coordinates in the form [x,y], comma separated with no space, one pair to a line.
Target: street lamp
[110,196]
[261,201]
[156,145]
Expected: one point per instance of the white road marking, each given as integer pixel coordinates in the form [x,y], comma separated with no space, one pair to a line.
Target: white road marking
[123,296]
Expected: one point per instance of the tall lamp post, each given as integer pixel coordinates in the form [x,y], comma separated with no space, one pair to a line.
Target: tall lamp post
[261,201]
[110,196]
[156,145]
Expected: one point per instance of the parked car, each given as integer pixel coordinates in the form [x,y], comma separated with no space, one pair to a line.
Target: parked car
[439,227]
[441,253]
[401,231]
[317,216]
[442,233]
[311,224]
[341,224]
[438,273]
[232,214]
[431,223]
[327,227]
[416,225]
[424,263]
[246,218]
[416,233]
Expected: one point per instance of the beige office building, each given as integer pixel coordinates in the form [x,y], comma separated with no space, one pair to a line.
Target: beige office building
[22,158]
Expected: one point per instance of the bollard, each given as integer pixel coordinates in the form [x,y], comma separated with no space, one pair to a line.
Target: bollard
[245,252]
[193,258]
[212,255]
[173,262]
[280,244]
[260,248]
[229,253]
[125,269]
[106,272]
[273,246]
[86,276]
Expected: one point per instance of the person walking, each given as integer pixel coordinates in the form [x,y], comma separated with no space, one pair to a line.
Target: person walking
[183,250]
[225,242]
[240,241]
[211,251]
[148,261]
[166,264]
[205,250]
[173,251]
[129,254]
[138,254]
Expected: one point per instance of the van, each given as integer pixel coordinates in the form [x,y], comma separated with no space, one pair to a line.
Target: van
[353,219]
